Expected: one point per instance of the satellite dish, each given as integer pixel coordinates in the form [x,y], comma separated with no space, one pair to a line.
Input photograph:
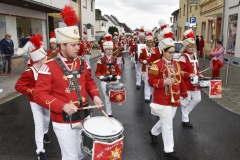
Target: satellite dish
[88,26]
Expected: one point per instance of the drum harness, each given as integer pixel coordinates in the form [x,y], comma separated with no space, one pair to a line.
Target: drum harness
[110,65]
[80,114]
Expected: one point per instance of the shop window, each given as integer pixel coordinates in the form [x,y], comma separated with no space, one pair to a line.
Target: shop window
[232,34]
[210,30]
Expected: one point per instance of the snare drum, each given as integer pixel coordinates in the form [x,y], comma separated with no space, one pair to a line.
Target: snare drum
[205,82]
[194,80]
[116,92]
[100,129]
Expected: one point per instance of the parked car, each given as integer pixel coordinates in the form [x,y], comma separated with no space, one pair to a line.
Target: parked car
[178,47]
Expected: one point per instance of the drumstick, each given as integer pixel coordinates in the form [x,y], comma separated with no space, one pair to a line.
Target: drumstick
[89,107]
[204,70]
[106,115]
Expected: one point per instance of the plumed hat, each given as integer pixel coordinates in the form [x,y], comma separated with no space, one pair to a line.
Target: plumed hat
[188,37]
[53,38]
[149,36]
[115,36]
[167,40]
[38,52]
[141,32]
[84,35]
[108,41]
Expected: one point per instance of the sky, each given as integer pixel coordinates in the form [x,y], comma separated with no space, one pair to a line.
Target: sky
[137,13]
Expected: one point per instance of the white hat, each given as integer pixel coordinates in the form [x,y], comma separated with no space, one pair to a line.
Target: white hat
[52,39]
[162,24]
[188,37]
[141,32]
[149,36]
[135,35]
[70,33]
[115,35]
[37,53]
[108,41]
[167,40]
[84,35]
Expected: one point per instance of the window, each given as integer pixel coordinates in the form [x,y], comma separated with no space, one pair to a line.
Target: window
[91,5]
[184,10]
[92,31]
[104,24]
[74,1]
[210,30]
[84,3]
[190,9]
[232,34]
[180,13]
[203,29]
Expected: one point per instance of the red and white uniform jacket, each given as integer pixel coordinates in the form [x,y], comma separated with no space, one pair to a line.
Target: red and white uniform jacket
[27,82]
[52,89]
[150,55]
[189,65]
[101,46]
[160,70]
[116,46]
[104,70]
[50,52]
[87,46]
[133,48]
[82,50]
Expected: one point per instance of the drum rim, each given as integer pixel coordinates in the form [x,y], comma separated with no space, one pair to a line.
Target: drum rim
[95,135]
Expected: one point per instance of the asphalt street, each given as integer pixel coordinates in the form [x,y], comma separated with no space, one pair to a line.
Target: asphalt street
[215,135]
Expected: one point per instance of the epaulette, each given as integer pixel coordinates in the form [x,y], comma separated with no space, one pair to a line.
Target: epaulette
[154,69]
[156,61]
[28,69]
[49,61]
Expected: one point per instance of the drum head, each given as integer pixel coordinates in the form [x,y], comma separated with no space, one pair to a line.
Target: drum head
[101,126]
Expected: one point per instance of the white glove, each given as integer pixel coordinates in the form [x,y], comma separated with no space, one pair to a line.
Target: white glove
[144,61]
[101,77]
[118,77]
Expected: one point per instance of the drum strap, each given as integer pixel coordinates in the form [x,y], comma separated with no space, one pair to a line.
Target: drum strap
[109,64]
[79,114]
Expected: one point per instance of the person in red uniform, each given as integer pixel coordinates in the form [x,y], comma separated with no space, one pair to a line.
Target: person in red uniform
[53,51]
[133,47]
[166,79]
[189,65]
[63,86]
[25,85]
[121,49]
[87,47]
[147,57]
[81,51]
[116,45]
[102,52]
[201,46]
[107,70]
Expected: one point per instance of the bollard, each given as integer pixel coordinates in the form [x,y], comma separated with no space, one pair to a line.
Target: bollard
[227,75]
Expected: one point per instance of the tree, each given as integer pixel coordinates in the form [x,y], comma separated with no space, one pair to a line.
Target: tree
[112,29]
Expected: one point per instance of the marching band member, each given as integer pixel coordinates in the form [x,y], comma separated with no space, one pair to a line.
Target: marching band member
[133,47]
[166,79]
[87,47]
[217,59]
[63,86]
[101,45]
[162,25]
[189,66]
[121,49]
[138,66]
[107,70]
[81,51]
[25,85]
[147,57]
[53,51]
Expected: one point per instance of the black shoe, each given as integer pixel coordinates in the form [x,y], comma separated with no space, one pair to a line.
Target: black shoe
[138,87]
[42,156]
[46,139]
[172,155]
[153,138]
[187,124]
[147,100]
[110,115]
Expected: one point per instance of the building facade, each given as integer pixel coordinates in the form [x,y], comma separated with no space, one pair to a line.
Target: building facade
[100,24]
[231,32]
[208,15]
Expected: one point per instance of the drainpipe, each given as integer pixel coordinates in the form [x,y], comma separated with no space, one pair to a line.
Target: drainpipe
[223,17]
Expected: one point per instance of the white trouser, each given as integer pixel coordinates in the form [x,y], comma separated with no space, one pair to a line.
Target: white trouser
[147,89]
[194,97]
[41,118]
[119,62]
[107,101]
[138,68]
[132,59]
[87,57]
[165,125]
[69,140]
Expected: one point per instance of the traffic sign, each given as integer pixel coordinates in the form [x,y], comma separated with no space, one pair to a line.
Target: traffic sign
[193,20]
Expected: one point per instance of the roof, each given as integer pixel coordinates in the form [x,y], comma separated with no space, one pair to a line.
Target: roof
[109,18]
[116,20]
[175,12]
[126,28]
[98,15]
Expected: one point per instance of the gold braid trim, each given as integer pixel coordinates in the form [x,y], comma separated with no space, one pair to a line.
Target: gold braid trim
[65,35]
[154,69]
[94,90]
[30,90]
[48,103]
[75,102]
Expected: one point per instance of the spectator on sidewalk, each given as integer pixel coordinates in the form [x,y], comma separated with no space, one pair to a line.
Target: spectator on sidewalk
[217,60]
[7,51]
[197,44]
[201,46]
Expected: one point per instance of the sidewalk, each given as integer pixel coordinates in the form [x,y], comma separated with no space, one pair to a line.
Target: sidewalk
[231,94]
[7,83]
